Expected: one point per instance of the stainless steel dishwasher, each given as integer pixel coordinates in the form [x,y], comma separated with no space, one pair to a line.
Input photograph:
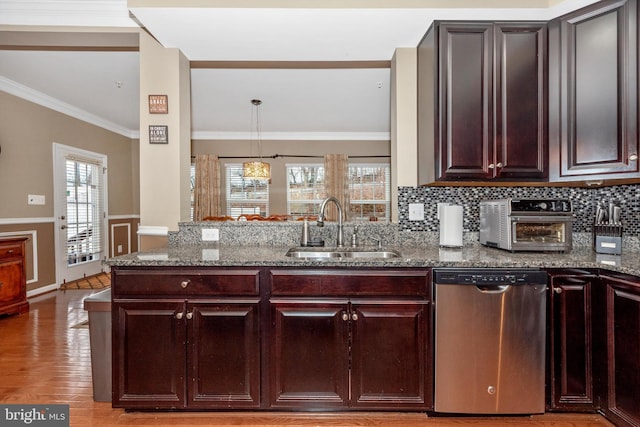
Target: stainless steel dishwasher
[489,341]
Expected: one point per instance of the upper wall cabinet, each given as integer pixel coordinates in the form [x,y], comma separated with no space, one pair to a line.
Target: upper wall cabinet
[482,101]
[593,92]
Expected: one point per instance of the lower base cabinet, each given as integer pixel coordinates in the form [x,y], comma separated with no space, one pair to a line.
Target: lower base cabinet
[174,354]
[594,345]
[350,339]
[346,354]
[571,341]
[623,349]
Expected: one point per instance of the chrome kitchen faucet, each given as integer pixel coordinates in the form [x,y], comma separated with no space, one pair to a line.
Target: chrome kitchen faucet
[320,222]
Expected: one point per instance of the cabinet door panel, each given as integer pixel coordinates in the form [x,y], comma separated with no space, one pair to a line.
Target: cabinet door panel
[572,339]
[309,355]
[224,355]
[465,100]
[594,97]
[11,281]
[521,99]
[623,329]
[389,355]
[149,354]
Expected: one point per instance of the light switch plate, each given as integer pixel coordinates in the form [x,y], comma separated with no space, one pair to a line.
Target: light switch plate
[416,212]
[210,234]
[35,199]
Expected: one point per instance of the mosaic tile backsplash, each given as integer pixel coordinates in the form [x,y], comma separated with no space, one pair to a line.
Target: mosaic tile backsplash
[584,202]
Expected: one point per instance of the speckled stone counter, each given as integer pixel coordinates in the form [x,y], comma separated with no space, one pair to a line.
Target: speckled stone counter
[471,255]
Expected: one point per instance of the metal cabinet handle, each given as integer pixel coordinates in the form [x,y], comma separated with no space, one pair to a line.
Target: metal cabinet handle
[185,283]
[190,315]
[345,316]
[179,315]
[499,165]
[633,157]
[354,316]
[557,290]
[491,166]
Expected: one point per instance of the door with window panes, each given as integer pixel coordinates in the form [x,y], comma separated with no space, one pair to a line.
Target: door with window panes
[80,209]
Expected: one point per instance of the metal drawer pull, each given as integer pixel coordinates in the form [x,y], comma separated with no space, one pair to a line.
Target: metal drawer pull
[354,316]
[190,315]
[179,316]
[10,251]
[499,165]
[557,290]
[491,166]
[633,157]
[185,283]
[345,316]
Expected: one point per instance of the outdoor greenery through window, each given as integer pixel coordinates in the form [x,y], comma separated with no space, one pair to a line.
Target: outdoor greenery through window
[245,196]
[369,190]
[305,189]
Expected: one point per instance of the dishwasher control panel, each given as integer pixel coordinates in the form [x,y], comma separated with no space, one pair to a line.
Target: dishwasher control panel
[489,277]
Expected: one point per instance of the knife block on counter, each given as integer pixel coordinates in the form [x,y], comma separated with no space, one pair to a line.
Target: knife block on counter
[607,239]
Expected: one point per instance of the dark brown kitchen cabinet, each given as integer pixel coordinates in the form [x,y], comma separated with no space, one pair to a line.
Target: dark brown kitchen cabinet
[593,92]
[482,101]
[623,349]
[344,339]
[186,339]
[571,368]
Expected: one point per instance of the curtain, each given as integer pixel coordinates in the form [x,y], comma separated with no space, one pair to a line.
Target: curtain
[207,187]
[336,183]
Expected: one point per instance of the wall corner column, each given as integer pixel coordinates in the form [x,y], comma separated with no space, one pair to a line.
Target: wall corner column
[404,123]
[164,168]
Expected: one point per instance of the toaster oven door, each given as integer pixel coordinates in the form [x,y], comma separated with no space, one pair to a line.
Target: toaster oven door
[539,233]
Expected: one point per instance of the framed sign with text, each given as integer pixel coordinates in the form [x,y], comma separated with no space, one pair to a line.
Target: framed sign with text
[158,134]
[158,104]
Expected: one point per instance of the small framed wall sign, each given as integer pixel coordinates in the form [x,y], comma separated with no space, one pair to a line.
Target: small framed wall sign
[158,104]
[158,134]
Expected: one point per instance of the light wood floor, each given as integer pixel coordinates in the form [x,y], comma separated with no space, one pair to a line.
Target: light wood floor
[45,361]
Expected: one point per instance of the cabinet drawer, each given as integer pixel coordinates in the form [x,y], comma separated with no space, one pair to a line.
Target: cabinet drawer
[11,250]
[327,282]
[185,282]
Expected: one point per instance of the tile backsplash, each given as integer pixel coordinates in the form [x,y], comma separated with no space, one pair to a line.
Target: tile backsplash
[584,201]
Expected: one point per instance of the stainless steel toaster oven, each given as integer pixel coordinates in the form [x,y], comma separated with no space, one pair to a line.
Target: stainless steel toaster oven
[539,225]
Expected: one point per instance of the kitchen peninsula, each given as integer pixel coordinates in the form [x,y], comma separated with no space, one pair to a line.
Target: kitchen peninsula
[230,324]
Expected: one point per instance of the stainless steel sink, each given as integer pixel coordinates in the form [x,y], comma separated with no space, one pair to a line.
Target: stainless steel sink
[341,253]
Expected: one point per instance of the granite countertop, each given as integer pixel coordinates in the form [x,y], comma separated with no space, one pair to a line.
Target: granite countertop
[475,255]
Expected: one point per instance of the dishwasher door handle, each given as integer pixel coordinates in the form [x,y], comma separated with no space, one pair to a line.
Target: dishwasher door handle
[493,289]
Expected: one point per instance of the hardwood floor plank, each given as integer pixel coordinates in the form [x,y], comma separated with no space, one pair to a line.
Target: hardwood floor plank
[46,361]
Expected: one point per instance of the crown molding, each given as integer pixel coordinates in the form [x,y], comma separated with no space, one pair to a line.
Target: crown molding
[47,101]
[294,136]
[82,13]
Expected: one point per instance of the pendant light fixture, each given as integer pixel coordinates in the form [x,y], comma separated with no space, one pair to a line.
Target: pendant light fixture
[259,169]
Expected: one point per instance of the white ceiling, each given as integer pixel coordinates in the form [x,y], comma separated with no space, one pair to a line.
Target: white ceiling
[102,87]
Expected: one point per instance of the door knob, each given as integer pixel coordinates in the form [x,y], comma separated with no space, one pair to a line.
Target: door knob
[633,157]
[557,290]
[179,316]
[345,316]
[190,315]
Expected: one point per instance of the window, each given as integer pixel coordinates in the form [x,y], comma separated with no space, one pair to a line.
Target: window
[305,189]
[245,196]
[84,210]
[370,191]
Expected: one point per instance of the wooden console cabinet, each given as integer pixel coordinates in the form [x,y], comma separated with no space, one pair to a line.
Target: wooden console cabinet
[13,277]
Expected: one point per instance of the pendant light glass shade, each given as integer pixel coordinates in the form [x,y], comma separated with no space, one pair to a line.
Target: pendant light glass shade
[256,170]
[259,169]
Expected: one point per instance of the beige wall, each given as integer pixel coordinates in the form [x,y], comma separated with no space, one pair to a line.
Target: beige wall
[277,190]
[27,132]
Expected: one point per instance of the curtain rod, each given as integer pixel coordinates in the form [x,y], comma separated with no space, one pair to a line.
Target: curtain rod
[275,156]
